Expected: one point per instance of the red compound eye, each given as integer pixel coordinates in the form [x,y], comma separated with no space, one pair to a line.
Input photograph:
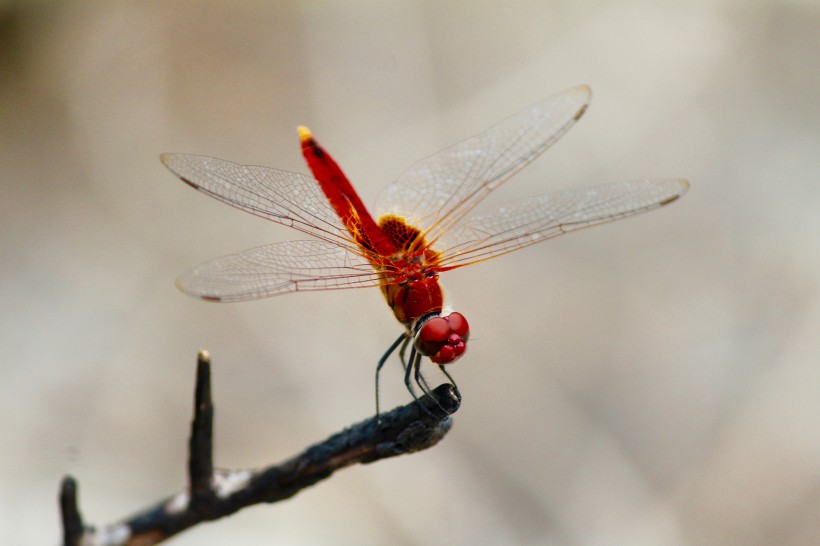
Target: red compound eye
[432,335]
[443,339]
[459,324]
[445,355]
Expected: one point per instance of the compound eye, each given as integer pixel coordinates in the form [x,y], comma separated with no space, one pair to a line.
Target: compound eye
[443,339]
[432,336]
[458,324]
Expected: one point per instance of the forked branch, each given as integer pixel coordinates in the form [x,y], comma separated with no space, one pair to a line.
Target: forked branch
[213,494]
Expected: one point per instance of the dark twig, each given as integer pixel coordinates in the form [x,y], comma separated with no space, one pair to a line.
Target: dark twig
[200,445]
[215,494]
[72,520]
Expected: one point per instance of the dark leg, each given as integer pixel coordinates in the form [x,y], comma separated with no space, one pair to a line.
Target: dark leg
[383,359]
[420,380]
[415,367]
[403,350]
[415,358]
[451,380]
[412,368]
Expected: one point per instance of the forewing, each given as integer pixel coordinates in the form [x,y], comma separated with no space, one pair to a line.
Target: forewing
[438,191]
[279,268]
[291,199]
[521,223]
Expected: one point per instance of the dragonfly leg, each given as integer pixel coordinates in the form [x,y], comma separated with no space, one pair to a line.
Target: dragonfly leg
[412,370]
[414,367]
[415,358]
[403,350]
[423,384]
[384,358]
[420,379]
[451,380]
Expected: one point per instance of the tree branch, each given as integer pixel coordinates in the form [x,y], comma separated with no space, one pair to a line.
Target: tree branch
[213,494]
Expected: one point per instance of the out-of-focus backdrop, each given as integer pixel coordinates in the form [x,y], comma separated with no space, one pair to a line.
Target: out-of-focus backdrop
[654,381]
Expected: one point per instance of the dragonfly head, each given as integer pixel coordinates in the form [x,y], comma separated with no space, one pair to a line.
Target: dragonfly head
[443,339]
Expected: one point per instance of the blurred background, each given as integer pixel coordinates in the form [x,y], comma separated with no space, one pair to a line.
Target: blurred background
[654,381]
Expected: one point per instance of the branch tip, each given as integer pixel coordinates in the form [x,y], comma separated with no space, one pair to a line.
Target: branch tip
[200,446]
[70,511]
[203,356]
[447,399]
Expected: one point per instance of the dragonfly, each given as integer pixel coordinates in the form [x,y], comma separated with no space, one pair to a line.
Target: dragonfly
[426,223]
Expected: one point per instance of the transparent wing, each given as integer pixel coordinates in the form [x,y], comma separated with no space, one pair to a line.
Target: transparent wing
[279,268]
[521,223]
[435,193]
[291,199]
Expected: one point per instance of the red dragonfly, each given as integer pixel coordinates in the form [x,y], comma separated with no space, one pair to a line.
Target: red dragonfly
[426,224]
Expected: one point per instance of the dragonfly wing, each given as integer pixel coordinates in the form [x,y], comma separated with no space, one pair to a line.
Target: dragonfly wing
[438,191]
[521,223]
[279,268]
[287,198]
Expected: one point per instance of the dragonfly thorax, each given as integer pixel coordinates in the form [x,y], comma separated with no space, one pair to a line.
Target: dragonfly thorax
[414,298]
[412,290]
[408,240]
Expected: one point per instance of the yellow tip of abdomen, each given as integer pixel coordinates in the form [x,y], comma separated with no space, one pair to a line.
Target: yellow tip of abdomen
[304,133]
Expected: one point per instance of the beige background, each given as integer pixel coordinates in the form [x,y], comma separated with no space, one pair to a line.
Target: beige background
[651,382]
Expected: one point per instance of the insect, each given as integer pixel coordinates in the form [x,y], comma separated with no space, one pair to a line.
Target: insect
[425,224]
